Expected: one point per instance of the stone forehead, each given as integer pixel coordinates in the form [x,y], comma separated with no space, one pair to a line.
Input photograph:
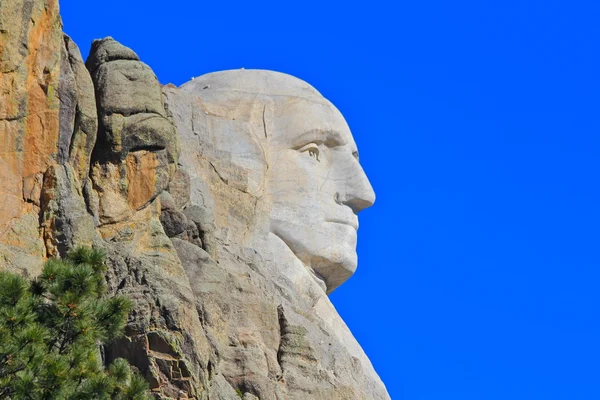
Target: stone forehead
[254,82]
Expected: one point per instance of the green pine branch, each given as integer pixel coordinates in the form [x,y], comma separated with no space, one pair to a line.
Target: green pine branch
[51,328]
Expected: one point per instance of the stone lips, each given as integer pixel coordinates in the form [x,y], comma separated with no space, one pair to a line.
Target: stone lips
[224,302]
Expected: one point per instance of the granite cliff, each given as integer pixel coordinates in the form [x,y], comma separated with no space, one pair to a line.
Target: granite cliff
[205,202]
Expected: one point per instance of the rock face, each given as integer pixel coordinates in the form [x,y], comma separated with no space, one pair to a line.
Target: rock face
[226,207]
[275,186]
[47,118]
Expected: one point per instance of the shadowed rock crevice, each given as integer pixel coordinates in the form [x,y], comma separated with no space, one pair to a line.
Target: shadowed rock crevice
[85,123]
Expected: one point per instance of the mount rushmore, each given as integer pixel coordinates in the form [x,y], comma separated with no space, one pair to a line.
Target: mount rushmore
[227,208]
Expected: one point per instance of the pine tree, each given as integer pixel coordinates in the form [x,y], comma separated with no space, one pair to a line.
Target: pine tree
[51,328]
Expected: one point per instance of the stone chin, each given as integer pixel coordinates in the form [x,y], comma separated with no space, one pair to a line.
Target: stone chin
[328,250]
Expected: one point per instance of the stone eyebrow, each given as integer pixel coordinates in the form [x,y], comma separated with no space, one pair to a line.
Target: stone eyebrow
[320,136]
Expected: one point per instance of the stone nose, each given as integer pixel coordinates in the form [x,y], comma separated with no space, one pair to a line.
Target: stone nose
[357,192]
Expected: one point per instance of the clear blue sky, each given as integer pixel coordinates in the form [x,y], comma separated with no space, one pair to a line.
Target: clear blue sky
[479,127]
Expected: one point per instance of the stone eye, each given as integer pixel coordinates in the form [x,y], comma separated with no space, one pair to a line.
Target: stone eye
[312,149]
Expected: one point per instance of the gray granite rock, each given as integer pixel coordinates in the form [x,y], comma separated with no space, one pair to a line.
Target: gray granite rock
[130,106]
[106,50]
[174,222]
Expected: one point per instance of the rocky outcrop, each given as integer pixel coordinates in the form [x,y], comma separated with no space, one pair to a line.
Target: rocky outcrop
[133,161]
[136,153]
[47,118]
[175,185]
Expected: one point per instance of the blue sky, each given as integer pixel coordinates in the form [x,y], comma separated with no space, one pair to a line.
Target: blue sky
[478,125]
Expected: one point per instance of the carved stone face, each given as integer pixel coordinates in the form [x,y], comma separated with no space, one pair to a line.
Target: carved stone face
[276,137]
[317,187]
